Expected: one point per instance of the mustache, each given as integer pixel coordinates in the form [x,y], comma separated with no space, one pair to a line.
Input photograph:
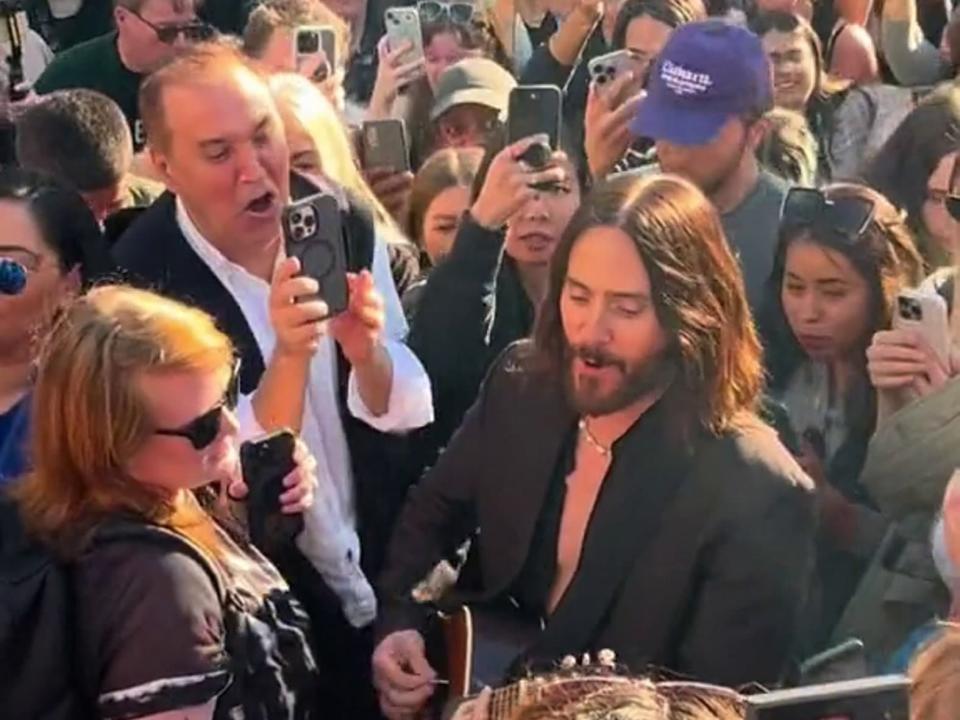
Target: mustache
[596,356]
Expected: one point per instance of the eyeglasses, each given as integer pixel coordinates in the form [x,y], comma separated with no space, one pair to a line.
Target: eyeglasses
[946,198]
[807,207]
[195,31]
[203,430]
[30,260]
[432,11]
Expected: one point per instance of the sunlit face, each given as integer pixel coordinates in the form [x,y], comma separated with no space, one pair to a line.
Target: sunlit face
[708,166]
[826,302]
[444,50]
[794,69]
[142,39]
[645,39]
[938,222]
[535,230]
[304,157]
[227,158]
[615,341]
[442,219]
[24,316]
[464,126]
[171,463]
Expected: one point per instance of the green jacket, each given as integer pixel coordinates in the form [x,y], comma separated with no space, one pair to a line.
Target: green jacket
[909,463]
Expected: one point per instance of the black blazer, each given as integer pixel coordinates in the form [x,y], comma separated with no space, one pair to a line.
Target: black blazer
[702,569]
[154,254]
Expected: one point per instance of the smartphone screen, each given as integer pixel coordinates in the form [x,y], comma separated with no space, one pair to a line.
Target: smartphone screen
[534,110]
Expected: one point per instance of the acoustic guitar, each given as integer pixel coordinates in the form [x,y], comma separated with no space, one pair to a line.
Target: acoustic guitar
[479,647]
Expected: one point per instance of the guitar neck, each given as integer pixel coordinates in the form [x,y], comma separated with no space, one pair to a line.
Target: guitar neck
[504,701]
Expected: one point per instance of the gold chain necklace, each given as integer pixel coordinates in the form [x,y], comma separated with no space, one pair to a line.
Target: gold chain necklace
[591,440]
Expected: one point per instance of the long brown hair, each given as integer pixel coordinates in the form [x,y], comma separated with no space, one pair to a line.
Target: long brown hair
[697,290]
[451,167]
[89,416]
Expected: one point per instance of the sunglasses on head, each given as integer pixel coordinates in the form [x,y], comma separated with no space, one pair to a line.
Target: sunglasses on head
[845,216]
[432,11]
[203,430]
[195,31]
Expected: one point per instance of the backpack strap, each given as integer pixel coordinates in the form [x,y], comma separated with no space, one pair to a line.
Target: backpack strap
[127,530]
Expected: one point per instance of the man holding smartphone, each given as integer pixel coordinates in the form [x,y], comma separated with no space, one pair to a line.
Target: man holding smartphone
[343,383]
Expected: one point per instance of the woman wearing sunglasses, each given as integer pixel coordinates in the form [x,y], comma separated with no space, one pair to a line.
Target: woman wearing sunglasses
[843,255]
[177,614]
[50,249]
[917,170]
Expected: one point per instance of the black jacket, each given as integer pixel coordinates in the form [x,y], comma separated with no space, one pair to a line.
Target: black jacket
[154,254]
[472,307]
[701,566]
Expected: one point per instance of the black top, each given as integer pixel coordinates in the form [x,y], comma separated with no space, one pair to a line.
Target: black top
[165,625]
[540,34]
[696,562]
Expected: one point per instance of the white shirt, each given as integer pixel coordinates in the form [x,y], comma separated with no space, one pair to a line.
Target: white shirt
[329,539]
[36,56]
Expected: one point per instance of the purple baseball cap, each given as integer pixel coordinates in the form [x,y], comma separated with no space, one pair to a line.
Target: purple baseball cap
[707,73]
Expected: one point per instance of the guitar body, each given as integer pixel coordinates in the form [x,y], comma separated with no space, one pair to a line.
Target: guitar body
[476,647]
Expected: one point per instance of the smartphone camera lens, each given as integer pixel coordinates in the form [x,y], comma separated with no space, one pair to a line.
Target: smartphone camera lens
[910,309]
[308,43]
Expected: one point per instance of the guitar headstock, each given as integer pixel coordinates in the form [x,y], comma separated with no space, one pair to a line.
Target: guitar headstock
[571,677]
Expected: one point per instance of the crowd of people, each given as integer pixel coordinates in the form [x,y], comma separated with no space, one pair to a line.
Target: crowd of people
[678,390]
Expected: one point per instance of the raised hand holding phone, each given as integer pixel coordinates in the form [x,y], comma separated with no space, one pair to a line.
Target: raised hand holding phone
[394,72]
[607,134]
[511,182]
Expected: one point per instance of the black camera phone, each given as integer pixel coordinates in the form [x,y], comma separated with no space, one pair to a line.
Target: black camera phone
[313,233]
[535,110]
[266,461]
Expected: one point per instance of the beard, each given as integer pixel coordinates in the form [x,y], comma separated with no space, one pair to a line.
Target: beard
[635,380]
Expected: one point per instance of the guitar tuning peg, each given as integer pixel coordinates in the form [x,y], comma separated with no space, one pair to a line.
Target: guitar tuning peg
[607,658]
[585,660]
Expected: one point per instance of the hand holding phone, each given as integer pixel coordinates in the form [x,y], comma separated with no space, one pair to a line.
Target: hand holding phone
[535,111]
[403,27]
[266,462]
[512,180]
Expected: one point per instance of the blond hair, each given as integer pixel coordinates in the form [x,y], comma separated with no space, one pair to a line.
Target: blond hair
[935,672]
[90,417]
[296,95]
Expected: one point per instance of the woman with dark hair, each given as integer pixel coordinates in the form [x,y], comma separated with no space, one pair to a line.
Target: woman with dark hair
[849,122]
[843,255]
[486,291]
[51,249]
[915,169]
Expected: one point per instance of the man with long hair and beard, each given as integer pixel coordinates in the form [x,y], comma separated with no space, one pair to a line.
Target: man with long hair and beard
[615,477]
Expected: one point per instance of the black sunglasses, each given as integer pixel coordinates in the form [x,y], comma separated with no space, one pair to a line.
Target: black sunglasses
[432,11]
[167,34]
[845,216]
[203,430]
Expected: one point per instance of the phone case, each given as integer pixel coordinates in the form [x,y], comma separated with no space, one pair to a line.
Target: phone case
[535,109]
[605,69]
[385,145]
[326,41]
[313,233]
[925,313]
[403,24]
[265,463]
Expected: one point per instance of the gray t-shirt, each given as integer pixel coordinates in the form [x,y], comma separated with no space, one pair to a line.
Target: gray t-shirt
[751,229]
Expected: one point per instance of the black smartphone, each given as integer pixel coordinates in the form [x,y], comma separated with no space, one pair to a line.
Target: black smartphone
[313,233]
[870,698]
[265,462]
[535,110]
[384,145]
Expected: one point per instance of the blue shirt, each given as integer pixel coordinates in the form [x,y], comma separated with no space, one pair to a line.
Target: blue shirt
[14,424]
